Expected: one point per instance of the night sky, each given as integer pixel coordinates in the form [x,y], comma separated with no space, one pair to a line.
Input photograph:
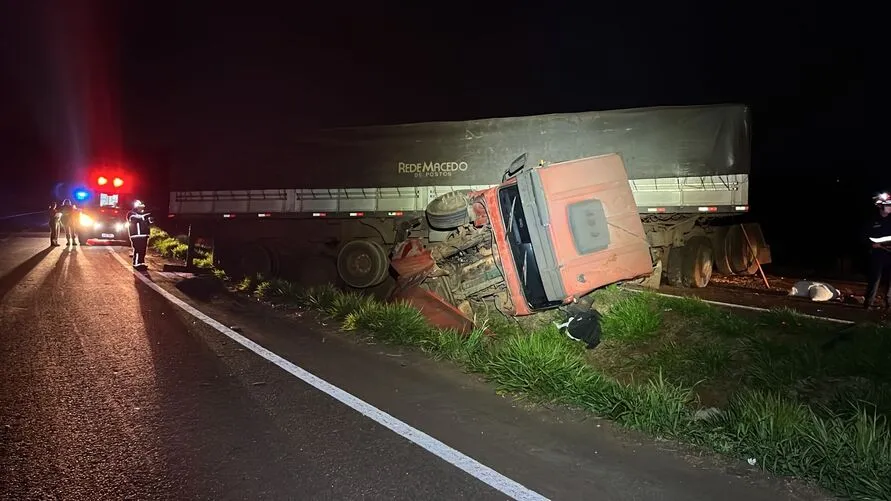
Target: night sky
[141,78]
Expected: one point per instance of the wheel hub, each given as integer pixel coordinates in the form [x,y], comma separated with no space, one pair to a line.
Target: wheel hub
[360,264]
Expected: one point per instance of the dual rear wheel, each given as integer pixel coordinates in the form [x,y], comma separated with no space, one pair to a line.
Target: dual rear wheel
[690,265]
[727,249]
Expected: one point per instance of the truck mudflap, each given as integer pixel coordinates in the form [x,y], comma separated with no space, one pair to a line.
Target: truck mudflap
[413,264]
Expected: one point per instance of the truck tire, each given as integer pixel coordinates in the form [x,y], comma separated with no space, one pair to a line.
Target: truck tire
[449,211]
[255,260]
[740,257]
[698,262]
[673,266]
[690,265]
[719,251]
[362,264]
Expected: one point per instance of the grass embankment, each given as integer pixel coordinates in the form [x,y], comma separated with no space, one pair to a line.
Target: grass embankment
[176,248]
[754,386]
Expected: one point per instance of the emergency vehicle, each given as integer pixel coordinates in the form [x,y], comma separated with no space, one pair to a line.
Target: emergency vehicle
[103,205]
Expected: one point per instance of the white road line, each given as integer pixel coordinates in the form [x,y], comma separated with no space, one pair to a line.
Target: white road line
[745,307]
[478,470]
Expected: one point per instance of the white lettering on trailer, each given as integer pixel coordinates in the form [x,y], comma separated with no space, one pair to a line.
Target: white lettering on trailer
[432,169]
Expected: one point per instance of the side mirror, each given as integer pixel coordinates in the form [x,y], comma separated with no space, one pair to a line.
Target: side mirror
[515,167]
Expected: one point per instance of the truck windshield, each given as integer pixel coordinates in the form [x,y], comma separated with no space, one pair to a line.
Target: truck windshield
[521,247]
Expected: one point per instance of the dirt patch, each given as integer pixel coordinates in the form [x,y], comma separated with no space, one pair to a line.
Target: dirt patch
[201,288]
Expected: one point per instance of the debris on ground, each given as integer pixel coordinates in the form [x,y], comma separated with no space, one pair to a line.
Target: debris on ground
[816,291]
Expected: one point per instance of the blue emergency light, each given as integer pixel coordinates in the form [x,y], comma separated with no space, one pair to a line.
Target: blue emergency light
[80,195]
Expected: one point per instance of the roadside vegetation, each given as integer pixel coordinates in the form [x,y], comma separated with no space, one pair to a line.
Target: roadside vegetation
[176,248]
[793,395]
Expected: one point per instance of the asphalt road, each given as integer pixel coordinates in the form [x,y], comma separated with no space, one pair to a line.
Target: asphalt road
[109,391]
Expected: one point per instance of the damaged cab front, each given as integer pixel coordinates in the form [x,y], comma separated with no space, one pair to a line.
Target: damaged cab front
[544,238]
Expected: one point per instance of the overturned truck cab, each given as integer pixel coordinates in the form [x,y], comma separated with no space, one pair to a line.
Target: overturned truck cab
[545,238]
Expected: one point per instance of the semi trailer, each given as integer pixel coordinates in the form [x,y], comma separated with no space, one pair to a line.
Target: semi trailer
[418,210]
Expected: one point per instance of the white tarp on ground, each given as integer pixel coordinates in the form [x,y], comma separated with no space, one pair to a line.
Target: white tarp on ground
[817,291]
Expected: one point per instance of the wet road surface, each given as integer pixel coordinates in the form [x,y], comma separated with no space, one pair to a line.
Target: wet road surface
[111,392]
[108,392]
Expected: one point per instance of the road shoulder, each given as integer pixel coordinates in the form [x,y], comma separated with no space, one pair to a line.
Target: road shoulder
[558,452]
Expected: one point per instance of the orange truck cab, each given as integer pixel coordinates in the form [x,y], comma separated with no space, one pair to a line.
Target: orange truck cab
[546,237]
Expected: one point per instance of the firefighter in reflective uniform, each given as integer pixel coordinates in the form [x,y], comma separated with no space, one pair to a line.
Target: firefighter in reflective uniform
[139,222]
[880,254]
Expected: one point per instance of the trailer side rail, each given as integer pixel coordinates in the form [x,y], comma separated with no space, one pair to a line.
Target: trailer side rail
[716,194]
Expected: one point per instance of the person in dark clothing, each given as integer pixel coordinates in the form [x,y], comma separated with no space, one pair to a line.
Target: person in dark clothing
[69,222]
[55,223]
[139,223]
[880,254]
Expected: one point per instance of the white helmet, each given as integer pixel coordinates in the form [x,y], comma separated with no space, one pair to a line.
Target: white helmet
[882,199]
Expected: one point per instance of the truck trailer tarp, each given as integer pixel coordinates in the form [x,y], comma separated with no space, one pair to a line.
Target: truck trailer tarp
[667,142]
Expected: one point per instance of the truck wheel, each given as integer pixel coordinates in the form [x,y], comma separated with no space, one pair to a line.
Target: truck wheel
[256,260]
[719,251]
[698,262]
[362,264]
[449,211]
[739,255]
[673,266]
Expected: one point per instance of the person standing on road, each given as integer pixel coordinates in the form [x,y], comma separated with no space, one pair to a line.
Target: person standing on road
[139,222]
[880,254]
[55,223]
[69,220]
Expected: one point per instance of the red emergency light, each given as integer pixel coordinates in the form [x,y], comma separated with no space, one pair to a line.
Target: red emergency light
[111,179]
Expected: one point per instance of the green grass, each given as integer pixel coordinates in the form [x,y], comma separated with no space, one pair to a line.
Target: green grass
[632,318]
[784,398]
[717,320]
[691,364]
[394,322]
[451,345]
[176,248]
[850,455]
[542,365]
[205,261]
